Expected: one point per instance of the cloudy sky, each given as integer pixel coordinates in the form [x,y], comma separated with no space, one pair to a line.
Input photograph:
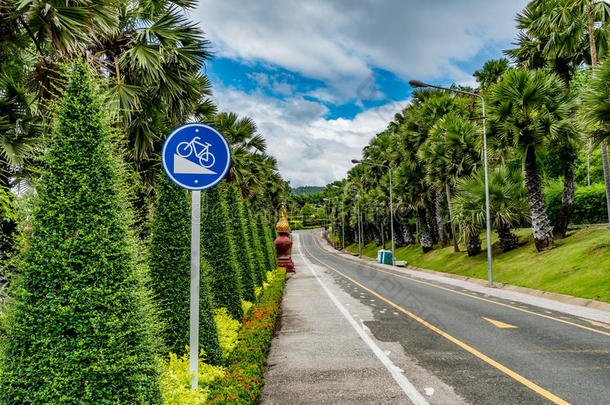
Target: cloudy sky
[322,77]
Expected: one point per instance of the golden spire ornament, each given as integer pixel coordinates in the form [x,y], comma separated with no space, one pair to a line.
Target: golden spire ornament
[283,225]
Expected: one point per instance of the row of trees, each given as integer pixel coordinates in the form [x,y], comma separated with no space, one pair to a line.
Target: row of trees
[93,310]
[544,114]
[148,59]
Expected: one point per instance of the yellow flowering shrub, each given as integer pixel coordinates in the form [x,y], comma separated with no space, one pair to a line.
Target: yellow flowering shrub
[227,328]
[176,380]
[245,306]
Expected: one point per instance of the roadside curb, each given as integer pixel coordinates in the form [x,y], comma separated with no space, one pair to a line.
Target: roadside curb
[582,307]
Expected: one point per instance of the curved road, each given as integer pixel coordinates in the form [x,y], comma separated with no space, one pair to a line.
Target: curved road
[489,350]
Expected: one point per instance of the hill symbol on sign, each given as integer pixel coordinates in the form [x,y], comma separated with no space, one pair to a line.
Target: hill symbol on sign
[185,166]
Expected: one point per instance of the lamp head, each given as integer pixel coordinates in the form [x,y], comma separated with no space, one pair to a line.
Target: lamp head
[355,161]
[417,83]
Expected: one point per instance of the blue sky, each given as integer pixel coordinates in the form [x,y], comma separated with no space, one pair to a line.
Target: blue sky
[321,78]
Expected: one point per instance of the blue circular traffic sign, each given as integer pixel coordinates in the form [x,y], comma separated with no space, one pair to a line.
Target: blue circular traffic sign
[196,156]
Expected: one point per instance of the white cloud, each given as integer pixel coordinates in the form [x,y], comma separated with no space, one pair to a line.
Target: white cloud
[310,149]
[338,41]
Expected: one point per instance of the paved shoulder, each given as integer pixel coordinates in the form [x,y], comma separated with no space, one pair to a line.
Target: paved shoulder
[325,353]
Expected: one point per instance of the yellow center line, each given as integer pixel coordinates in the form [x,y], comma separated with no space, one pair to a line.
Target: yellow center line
[469,295]
[500,324]
[518,377]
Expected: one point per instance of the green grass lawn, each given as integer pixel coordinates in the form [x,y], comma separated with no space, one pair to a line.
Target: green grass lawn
[578,266]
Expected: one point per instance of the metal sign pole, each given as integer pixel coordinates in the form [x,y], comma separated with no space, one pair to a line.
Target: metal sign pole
[194,314]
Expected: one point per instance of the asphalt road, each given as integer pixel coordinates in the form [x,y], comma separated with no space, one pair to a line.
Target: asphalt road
[489,350]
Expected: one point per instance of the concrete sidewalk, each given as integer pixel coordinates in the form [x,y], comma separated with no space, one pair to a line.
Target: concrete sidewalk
[324,353]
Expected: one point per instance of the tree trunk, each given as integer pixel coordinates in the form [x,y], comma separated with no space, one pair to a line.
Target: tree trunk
[473,244]
[541,226]
[366,234]
[425,238]
[407,235]
[508,240]
[431,222]
[378,235]
[398,239]
[440,219]
[606,176]
[456,248]
[567,198]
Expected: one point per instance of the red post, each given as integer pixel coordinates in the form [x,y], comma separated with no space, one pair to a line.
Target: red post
[283,243]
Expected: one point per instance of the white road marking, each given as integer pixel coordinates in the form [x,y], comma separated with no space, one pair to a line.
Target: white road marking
[402,381]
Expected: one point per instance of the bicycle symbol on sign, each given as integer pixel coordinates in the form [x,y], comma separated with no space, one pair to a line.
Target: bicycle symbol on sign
[186,149]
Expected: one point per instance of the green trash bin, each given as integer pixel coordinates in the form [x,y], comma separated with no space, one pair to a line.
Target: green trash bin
[384,256]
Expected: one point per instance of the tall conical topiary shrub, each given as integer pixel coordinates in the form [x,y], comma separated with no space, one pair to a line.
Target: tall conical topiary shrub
[261,225]
[170,273]
[80,327]
[217,250]
[272,235]
[256,250]
[240,243]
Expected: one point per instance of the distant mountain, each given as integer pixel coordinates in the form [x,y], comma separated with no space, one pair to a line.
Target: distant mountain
[307,190]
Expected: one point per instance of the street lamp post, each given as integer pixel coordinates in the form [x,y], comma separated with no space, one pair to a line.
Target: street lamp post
[366,162]
[416,84]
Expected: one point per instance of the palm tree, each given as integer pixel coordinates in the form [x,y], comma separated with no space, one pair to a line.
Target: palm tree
[596,104]
[491,73]
[561,35]
[528,108]
[451,151]
[507,201]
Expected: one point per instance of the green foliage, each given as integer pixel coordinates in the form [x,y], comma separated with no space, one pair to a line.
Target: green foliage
[262,230]
[170,273]
[589,205]
[217,251]
[240,242]
[596,170]
[491,73]
[271,232]
[507,199]
[245,306]
[596,103]
[81,327]
[307,190]
[227,331]
[577,266]
[176,380]
[7,211]
[243,380]
[256,250]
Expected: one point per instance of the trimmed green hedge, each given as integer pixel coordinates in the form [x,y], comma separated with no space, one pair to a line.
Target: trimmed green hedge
[240,243]
[271,235]
[263,235]
[80,327]
[170,273]
[255,248]
[589,204]
[217,250]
